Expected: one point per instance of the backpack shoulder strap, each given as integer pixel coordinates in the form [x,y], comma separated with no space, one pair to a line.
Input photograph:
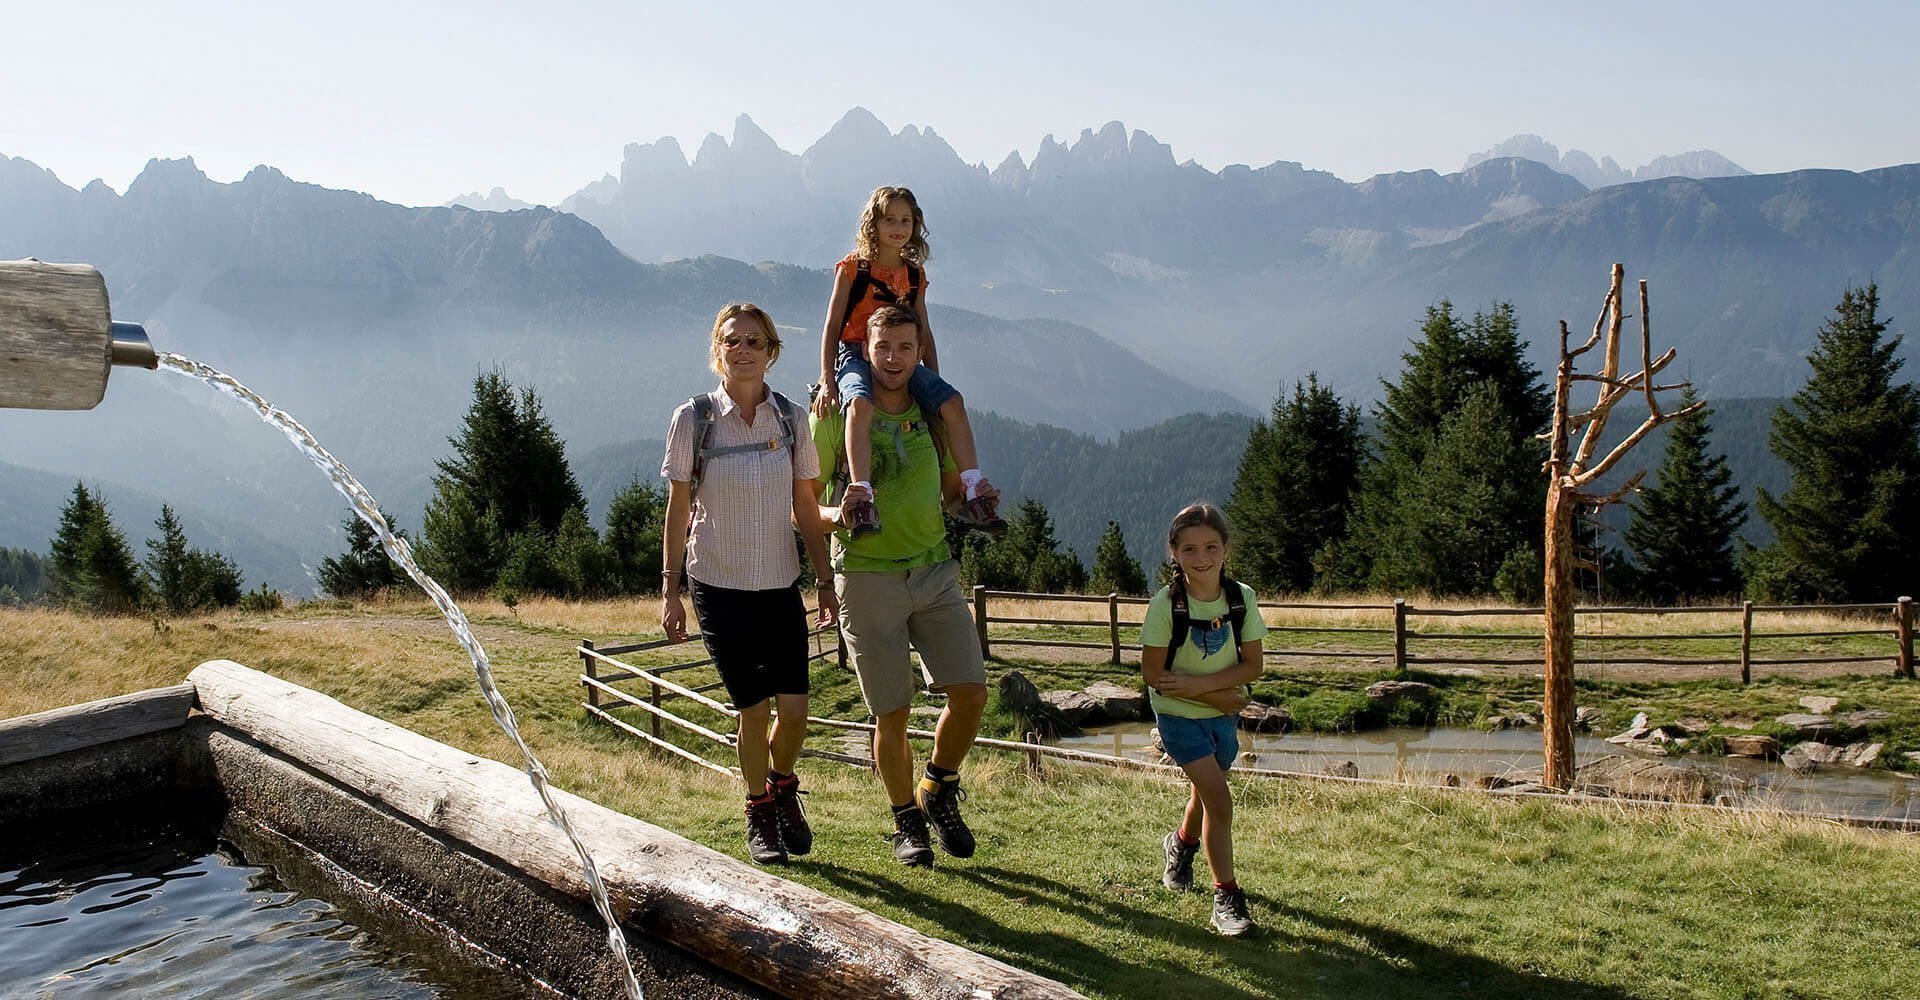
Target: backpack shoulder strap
[788,413]
[1236,606]
[915,278]
[1182,618]
[862,280]
[702,430]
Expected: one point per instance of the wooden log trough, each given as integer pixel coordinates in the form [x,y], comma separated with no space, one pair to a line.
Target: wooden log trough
[462,843]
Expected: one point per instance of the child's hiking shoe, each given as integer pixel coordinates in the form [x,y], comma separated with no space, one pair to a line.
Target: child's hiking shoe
[910,846]
[795,834]
[859,516]
[764,845]
[982,514]
[940,801]
[1230,916]
[1179,873]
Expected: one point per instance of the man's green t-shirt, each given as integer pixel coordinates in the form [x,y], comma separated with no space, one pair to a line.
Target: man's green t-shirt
[906,493]
[1209,647]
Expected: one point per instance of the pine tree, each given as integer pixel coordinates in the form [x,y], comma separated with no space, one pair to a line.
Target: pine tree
[635,521]
[365,568]
[167,569]
[1027,557]
[508,477]
[1848,525]
[1683,527]
[1396,530]
[1454,524]
[23,574]
[182,579]
[1116,571]
[579,558]
[1295,487]
[92,568]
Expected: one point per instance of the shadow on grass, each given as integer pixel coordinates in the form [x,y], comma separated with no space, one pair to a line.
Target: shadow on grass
[1347,959]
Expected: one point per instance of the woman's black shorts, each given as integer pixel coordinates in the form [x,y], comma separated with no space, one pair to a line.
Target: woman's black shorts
[758,639]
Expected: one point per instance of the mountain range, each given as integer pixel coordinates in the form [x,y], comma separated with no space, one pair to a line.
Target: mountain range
[1582,167]
[1103,288]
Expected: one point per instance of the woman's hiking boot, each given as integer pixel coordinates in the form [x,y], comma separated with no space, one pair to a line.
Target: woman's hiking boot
[795,834]
[909,838]
[941,803]
[1179,873]
[983,514]
[859,516]
[764,845]
[1230,916]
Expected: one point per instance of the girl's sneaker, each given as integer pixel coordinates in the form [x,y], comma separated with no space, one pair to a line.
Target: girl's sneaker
[982,514]
[1230,916]
[1179,873]
[860,517]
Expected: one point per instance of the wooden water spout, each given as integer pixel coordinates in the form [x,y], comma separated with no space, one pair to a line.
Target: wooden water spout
[58,338]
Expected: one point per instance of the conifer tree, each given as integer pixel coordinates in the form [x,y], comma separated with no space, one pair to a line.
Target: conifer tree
[1116,571]
[1295,487]
[23,575]
[364,569]
[182,579]
[1454,362]
[635,521]
[508,477]
[92,568]
[1847,525]
[1027,557]
[1683,527]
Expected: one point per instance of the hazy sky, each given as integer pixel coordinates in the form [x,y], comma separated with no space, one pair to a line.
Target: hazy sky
[419,102]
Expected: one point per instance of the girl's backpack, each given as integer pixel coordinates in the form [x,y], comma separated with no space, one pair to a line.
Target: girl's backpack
[864,281]
[1183,620]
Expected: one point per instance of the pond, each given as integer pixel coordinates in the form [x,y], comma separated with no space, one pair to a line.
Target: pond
[1428,755]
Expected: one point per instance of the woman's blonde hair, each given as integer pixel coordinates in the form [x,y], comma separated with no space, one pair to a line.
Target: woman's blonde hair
[866,239]
[734,310]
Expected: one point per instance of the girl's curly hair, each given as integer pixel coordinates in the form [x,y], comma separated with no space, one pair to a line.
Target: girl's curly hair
[866,239]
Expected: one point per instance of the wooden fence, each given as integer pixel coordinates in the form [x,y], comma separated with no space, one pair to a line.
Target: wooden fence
[1400,614]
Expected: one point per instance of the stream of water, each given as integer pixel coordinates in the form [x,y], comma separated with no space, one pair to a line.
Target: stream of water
[368,510]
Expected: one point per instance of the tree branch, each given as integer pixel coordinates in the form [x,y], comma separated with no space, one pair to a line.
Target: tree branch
[1594,500]
[1620,450]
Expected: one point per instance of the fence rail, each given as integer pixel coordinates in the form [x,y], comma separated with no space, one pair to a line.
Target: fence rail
[1899,631]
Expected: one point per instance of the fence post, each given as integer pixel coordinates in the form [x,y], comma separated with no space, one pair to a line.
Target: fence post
[1746,642]
[1033,756]
[1399,635]
[1113,623]
[1903,625]
[980,616]
[593,693]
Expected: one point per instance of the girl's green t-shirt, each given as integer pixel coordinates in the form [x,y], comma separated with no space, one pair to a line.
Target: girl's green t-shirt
[1209,647]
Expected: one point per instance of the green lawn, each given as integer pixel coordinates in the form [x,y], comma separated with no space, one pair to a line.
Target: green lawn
[1363,892]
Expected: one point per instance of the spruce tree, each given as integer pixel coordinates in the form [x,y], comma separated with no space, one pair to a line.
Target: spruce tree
[508,476]
[23,574]
[1295,487]
[1116,571]
[1683,527]
[364,569]
[1455,362]
[635,521]
[167,566]
[92,568]
[1846,526]
[1027,557]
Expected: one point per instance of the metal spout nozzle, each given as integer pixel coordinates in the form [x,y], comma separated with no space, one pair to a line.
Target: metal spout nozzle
[131,346]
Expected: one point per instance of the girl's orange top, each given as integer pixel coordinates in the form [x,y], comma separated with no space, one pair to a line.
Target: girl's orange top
[895,278]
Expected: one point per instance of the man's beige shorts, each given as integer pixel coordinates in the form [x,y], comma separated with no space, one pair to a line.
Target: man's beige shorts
[881,613]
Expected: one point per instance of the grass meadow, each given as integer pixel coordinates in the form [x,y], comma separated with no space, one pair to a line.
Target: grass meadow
[1361,891]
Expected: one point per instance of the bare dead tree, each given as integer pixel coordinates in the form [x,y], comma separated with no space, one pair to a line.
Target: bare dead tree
[1569,488]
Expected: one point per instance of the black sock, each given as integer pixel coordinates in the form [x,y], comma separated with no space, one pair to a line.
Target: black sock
[899,811]
[938,773]
[777,778]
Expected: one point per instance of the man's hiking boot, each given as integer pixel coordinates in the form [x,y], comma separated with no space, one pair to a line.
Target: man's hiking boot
[909,838]
[859,516]
[982,514]
[794,831]
[1230,916]
[942,807]
[1179,873]
[764,845]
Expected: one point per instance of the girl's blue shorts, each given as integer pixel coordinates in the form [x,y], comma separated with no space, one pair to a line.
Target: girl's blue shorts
[1187,740]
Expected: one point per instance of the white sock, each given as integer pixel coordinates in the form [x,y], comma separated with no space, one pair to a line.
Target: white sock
[971,479]
[863,484]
